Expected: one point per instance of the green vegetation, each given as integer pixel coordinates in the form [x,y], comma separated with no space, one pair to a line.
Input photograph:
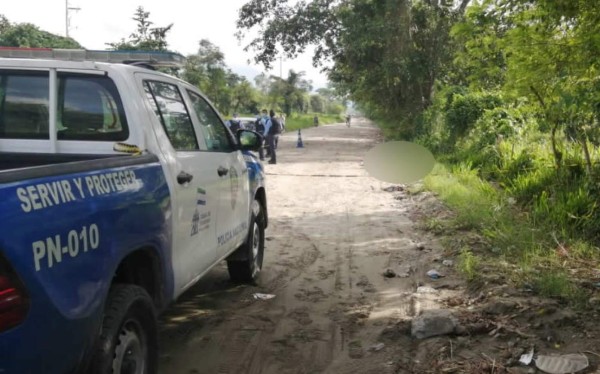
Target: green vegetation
[511,234]
[506,93]
[302,121]
[28,35]
[145,37]
[468,264]
[230,92]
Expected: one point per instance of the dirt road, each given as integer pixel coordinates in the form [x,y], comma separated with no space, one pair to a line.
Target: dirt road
[333,232]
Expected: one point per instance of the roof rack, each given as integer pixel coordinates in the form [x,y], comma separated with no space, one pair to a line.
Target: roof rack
[138,58]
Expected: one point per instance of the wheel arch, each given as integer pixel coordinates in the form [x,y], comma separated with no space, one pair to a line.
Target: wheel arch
[143,267]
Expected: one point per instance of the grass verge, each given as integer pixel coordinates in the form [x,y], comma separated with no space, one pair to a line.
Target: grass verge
[302,121]
[525,251]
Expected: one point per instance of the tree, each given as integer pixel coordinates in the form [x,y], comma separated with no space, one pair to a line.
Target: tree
[333,101]
[30,36]
[206,69]
[295,88]
[244,98]
[479,57]
[293,27]
[228,91]
[145,37]
[544,50]
[387,54]
[263,83]
[4,24]
[317,103]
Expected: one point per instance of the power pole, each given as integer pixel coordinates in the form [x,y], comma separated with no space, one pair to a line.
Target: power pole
[280,67]
[67,20]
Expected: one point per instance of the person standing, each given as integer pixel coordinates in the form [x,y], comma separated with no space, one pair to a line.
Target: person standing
[235,124]
[266,123]
[272,131]
[316,121]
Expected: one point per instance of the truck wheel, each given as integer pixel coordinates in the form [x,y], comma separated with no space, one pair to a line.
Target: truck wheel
[252,250]
[128,342]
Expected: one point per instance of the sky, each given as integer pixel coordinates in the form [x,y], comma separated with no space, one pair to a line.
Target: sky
[104,21]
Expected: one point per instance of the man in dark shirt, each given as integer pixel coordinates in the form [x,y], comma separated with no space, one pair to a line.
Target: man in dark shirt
[272,131]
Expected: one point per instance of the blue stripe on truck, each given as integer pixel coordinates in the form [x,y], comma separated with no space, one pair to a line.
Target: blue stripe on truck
[88,222]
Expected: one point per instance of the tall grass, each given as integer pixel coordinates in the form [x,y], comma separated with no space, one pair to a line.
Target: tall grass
[540,222]
[543,220]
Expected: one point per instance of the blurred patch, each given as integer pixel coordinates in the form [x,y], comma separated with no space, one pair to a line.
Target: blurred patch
[399,162]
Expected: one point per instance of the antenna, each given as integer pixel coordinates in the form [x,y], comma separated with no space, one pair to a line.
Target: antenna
[67,17]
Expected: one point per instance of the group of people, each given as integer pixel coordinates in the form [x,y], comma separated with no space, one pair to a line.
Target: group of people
[269,126]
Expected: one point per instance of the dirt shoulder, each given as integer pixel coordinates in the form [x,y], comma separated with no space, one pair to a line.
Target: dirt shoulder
[347,260]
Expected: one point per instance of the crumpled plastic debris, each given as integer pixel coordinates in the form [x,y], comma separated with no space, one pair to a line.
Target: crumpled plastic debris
[434,274]
[563,364]
[527,358]
[263,296]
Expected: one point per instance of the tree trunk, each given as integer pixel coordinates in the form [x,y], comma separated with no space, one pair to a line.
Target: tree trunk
[557,154]
[463,6]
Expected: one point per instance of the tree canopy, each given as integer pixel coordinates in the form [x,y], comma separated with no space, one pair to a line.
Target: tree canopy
[386,54]
[145,37]
[30,36]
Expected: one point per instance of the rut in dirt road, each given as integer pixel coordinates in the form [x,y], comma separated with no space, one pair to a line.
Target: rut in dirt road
[333,231]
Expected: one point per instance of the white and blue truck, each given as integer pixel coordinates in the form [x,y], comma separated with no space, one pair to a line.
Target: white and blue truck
[120,187]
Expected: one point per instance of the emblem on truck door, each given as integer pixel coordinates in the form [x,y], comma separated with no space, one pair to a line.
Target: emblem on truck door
[235,186]
[200,220]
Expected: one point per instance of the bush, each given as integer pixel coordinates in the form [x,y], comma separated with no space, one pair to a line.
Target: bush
[463,111]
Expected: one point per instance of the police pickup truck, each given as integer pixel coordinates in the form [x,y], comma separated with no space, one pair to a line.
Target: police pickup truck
[120,186]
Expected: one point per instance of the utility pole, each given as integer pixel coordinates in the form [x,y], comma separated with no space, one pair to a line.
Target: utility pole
[67,20]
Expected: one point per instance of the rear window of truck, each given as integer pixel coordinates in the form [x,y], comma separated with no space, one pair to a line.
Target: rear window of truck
[89,107]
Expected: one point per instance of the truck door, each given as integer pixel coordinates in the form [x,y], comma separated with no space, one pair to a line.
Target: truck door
[234,207]
[194,182]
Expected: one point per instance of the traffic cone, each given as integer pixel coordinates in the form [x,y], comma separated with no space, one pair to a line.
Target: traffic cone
[299,144]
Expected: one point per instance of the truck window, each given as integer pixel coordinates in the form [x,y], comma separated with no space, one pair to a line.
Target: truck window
[89,108]
[168,105]
[213,130]
[24,106]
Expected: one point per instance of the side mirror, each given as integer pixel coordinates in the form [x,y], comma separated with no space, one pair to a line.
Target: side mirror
[249,140]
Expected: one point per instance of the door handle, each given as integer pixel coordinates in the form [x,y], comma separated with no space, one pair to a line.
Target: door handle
[183,177]
[222,171]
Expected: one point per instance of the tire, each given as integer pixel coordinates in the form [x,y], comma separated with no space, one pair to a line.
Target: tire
[128,341]
[252,251]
